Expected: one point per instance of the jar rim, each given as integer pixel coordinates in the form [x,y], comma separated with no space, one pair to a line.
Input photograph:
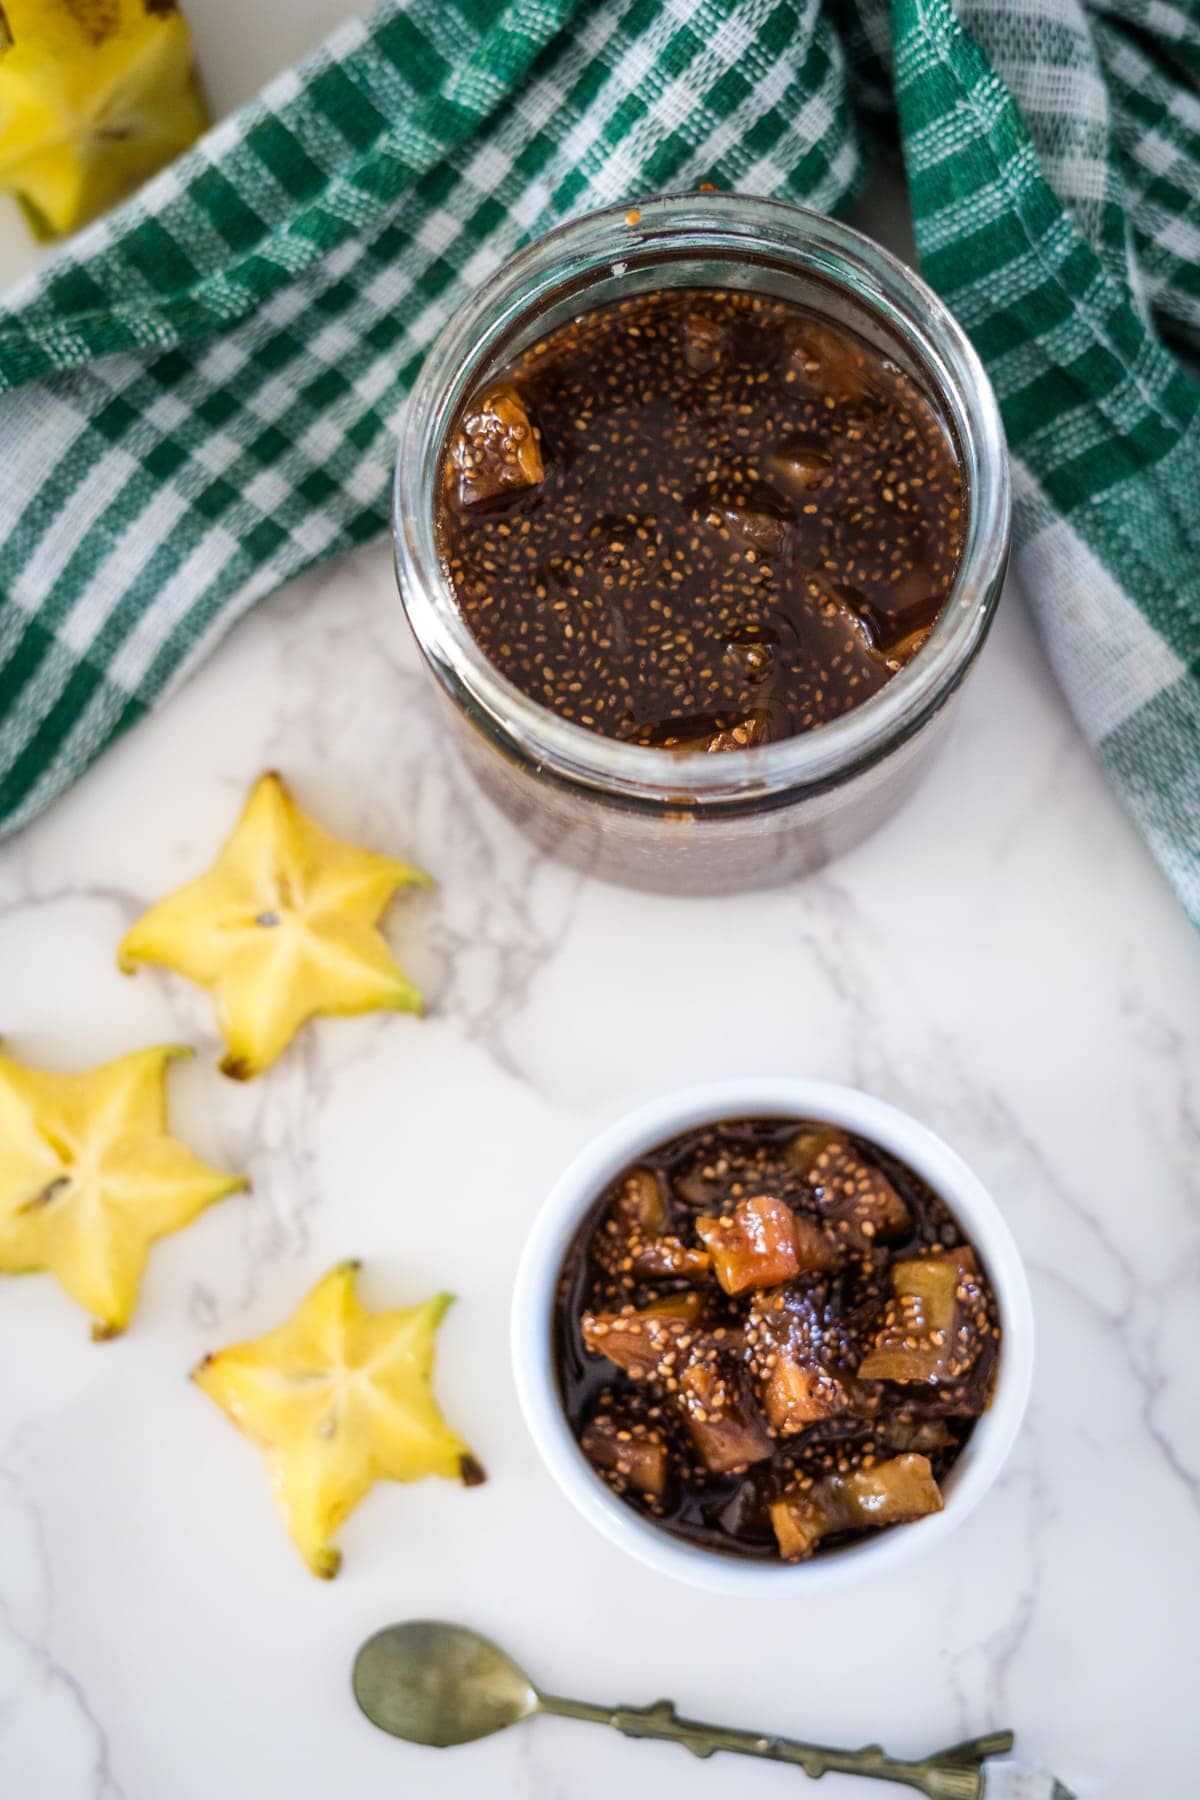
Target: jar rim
[666,228]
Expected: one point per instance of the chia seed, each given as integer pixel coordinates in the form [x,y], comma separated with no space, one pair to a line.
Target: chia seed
[756,1395]
[700,519]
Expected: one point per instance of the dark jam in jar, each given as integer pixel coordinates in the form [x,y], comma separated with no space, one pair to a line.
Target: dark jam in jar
[772,1337]
[700,519]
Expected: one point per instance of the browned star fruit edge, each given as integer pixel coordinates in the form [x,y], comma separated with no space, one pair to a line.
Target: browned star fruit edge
[770,1335]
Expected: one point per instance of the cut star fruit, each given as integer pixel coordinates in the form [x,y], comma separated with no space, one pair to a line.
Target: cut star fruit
[95,96]
[889,1493]
[337,1399]
[281,928]
[827,360]
[705,342]
[647,1343]
[496,451]
[89,1177]
[718,1409]
[630,1455]
[761,1243]
[666,1258]
[640,1244]
[787,1359]
[855,1197]
[932,1327]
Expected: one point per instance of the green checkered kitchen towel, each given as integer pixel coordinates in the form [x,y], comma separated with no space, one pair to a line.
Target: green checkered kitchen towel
[198,398]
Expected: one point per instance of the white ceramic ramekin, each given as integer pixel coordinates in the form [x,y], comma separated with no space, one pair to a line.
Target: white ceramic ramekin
[779,1097]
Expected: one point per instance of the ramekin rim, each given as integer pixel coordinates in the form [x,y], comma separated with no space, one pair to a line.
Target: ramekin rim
[894,1130]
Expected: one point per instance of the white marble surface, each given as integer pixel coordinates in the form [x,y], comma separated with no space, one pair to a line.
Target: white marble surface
[1003,959]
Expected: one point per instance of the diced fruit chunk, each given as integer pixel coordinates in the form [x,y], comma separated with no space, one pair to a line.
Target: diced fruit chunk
[496,449]
[786,1358]
[807,1146]
[680,1306]
[899,1431]
[754,1246]
[796,1395]
[704,342]
[828,360]
[641,1202]
[640,1245]
[890,1493]
[708,734]
[701,1181]
[752,651]
[843,611]
[663,1257]
[756,516]
[747,732]
[799,465]
[932,1328]
[630,1455]
[798,1523]
[722,1418]
[647,1344]
[816,1251]
[905,648]
[854,1196]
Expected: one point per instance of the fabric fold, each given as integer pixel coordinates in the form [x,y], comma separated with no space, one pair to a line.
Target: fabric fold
[198,397]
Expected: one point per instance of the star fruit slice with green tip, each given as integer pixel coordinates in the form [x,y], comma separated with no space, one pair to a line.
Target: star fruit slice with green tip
[338,1399]
[283,927]
[90,1177]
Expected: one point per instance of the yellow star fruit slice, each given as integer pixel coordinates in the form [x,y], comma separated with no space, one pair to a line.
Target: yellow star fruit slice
[89,1177]
[338,1399]
[95,97]
[281,928]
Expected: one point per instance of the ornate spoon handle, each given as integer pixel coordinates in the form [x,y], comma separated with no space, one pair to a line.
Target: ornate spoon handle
[954,1774]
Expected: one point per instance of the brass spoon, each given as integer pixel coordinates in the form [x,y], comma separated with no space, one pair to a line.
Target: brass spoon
[441,1684]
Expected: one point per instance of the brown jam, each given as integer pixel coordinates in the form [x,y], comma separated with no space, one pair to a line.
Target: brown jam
[700,519]
[772,1337]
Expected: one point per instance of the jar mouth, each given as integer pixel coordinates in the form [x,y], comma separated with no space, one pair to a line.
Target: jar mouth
[743,238]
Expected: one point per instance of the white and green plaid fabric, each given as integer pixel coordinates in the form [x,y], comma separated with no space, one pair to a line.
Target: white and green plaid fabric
[198,398]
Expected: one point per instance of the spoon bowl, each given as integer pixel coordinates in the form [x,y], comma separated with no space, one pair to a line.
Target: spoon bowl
[439,1684]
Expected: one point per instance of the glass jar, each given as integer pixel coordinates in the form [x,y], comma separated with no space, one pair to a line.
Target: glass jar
[691,821]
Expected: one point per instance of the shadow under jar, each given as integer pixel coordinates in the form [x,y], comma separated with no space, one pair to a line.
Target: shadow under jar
[735,741]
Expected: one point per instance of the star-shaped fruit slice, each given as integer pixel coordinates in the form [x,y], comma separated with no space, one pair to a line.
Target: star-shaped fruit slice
[89,1177]
[95,95]
[281,928]
[338,1399]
